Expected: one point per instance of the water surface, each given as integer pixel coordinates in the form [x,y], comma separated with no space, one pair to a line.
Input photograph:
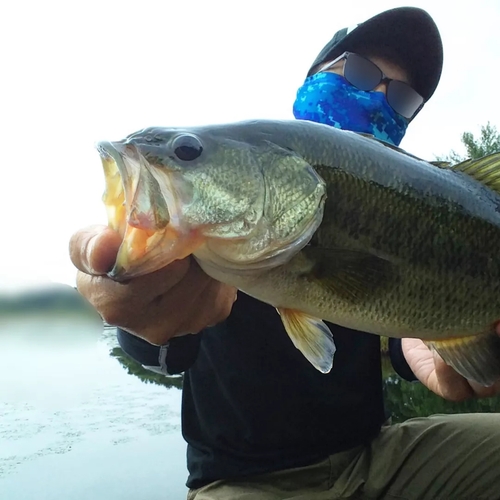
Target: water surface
[75,425]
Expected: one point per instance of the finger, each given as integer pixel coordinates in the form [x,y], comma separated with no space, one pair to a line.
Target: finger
[191,294]
[127,304]
[119,304]
[485,392]
[226,296]
[411,343]
[451,384]
[103,291]
[215,303]
[153,285]
[459,387]
[100,291]
[93,250]
[209,301]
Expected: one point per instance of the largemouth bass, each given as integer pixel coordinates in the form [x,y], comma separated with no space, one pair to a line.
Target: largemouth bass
[323,224]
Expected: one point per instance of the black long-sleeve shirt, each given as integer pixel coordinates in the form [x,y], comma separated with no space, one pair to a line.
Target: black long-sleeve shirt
[253,404]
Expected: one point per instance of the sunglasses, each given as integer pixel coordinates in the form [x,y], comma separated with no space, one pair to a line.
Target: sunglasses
[366,75]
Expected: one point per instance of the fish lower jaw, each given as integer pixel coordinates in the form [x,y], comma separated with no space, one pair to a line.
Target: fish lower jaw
[144,251]
[136,255]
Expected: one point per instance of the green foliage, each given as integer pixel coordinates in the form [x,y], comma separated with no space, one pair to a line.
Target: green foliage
[384,345]
[488,142]
[406,400]
[146,376]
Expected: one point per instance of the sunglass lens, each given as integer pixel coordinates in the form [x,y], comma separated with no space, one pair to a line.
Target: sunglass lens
[403,99]
[361,72]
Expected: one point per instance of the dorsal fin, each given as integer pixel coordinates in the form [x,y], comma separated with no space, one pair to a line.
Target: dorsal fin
[486,170]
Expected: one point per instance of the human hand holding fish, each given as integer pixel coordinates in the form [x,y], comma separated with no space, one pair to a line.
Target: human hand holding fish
[174,300]
[441,378]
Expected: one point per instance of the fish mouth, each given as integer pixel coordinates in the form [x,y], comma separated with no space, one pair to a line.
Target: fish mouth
[138,211]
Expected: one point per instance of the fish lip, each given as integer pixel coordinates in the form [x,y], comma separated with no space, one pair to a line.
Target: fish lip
[123,154]
[108,149]
[121,275]
[145,207]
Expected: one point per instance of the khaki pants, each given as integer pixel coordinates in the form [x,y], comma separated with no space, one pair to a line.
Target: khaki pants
[443,457]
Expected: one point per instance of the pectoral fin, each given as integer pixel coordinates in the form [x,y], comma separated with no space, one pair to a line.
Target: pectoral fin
[476,358]
[311,337]
[350,274]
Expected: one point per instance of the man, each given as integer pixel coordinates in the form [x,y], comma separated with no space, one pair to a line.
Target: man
[260,421]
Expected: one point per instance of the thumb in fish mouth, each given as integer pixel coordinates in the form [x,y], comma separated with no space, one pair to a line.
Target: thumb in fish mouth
[93,250]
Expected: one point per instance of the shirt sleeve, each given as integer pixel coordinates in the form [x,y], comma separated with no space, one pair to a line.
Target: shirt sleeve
[399,362]
[172,358]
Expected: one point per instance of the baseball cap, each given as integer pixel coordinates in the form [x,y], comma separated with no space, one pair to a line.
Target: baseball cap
[408,32]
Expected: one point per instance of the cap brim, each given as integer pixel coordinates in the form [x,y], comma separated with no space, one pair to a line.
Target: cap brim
[409,32]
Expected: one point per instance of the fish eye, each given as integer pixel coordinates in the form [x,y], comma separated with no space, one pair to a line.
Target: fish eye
[187,147]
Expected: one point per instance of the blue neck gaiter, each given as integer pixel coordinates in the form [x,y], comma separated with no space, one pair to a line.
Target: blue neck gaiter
[330,99]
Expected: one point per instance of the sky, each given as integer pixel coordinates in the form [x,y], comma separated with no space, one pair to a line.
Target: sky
[74,73]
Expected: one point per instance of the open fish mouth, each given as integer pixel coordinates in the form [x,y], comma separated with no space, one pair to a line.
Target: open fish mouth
[136,210]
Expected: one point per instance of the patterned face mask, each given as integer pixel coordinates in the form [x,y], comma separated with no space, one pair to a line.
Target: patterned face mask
[328,98]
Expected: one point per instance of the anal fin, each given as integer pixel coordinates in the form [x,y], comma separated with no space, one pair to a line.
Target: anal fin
[311,337]
[476,358]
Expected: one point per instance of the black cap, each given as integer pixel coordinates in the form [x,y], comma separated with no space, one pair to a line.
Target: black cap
[408,33]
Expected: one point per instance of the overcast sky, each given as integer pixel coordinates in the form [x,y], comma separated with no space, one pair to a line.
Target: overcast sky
[74,73]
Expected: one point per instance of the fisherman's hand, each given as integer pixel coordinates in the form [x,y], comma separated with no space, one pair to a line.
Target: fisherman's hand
[175,300]
[441,378]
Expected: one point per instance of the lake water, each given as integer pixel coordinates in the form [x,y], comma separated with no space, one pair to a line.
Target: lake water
[80,421]
[75,425]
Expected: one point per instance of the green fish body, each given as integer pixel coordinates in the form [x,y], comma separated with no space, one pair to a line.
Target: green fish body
[332,225]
